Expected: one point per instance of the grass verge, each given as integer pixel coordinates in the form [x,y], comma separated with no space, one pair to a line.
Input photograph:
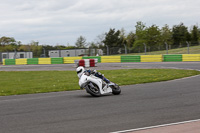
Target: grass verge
[29,82]
[184,50]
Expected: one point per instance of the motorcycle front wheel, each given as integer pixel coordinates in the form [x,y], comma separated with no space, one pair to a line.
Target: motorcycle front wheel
[93,90]
[116,90]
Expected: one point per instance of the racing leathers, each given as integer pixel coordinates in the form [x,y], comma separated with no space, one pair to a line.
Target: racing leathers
[97,74]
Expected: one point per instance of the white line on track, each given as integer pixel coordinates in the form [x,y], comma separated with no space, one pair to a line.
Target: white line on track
[151,127]
[184,78]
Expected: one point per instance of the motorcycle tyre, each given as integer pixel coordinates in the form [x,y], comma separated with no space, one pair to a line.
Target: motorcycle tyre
[116,90]
[92,93]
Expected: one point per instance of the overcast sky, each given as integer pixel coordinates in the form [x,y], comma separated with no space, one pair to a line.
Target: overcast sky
[55,22]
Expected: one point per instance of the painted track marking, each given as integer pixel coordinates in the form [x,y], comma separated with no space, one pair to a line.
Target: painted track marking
[158,126]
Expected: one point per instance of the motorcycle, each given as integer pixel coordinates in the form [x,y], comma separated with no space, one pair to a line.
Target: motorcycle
[97,87]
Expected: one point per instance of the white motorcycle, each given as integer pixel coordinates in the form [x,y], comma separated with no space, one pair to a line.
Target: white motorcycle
[96,86]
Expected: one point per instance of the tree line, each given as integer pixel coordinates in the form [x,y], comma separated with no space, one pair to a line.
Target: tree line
[152,36]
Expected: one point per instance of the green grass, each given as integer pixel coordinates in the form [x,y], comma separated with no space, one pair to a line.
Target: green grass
[29,82]
[192,49]
[138,76]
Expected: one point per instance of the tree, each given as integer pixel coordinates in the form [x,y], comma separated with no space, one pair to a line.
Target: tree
[112,38]
[8,44]
[35,48]
[7,41]
[123,36]
[7,48]
[81,42]
[166,36]
[93,45]
[195,35]
[140,36]
[130,39]
[99,40]
[153,37]
[24,48]
[180,34]
[141,30]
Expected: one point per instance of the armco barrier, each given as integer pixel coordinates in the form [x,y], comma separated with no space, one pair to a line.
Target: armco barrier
[56,60]
[32,61]
[93,57]
[9,61]
[107,59]
[4,62]
[44,61]
[130,58]
[191,57]
[151,58]
[172,58]
[70,59]
[20,61]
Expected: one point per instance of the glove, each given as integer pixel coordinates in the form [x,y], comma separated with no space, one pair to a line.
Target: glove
[99,73]
[87,73]
[94,71]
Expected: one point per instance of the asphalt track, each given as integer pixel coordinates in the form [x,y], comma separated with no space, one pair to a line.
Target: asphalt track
[138,106]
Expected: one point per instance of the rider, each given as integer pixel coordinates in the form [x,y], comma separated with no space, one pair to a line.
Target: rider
[80,70]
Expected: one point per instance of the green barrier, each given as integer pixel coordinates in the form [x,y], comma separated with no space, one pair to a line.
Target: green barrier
[172,58]
[130,58]
[9,61]
[56,60]
[93,57]
[32,61]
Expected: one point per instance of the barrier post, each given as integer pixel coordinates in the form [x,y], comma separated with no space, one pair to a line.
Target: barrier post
[145,48]
[125,48]
[166,47]
[188,45]
[107,50]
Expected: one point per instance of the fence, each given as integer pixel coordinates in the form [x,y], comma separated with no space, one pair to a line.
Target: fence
[185,48]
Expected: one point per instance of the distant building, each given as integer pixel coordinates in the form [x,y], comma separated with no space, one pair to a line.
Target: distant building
[15,55]
[75,52]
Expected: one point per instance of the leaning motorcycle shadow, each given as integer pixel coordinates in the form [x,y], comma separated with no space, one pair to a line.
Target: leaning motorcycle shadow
[93,97]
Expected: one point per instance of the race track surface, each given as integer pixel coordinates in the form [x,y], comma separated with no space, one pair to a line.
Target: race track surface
[138,106]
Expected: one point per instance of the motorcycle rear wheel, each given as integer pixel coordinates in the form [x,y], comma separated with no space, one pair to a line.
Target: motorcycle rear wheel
[94,91]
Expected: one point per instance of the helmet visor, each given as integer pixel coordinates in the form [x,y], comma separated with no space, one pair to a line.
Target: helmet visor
[79,71]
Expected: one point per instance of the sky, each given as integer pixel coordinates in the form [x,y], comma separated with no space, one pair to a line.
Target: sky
[62,22]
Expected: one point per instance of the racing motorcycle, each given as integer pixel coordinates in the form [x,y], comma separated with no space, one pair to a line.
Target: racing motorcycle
[96,86]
